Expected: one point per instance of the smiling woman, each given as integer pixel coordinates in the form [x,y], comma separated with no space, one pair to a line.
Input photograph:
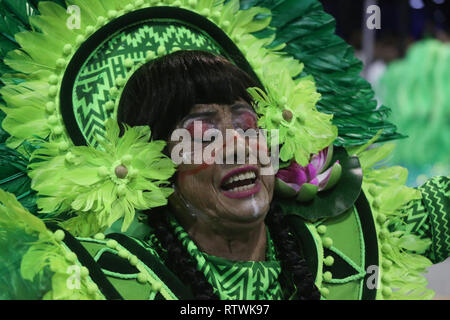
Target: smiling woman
[93,207]
[228,220]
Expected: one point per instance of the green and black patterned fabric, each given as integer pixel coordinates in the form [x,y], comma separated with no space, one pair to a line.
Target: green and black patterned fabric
[246,280]
[429,217]
[113,62]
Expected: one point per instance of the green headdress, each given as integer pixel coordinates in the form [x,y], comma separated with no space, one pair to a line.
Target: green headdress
[61,84]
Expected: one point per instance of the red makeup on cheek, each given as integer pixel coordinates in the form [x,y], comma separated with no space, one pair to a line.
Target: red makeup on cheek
[198,169]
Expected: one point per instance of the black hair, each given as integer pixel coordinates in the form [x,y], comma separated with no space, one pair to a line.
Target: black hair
[160,94]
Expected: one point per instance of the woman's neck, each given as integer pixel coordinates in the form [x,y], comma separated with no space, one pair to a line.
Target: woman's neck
[242,242]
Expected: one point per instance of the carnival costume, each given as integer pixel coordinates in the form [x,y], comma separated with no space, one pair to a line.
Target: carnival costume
[73,188]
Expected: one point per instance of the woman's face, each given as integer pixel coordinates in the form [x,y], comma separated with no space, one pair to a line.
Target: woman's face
[217,189]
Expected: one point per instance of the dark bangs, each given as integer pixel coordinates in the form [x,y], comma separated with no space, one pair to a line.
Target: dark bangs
[162,92]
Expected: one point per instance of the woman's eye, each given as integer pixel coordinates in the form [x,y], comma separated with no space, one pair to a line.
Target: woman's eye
[197,130]
[245,121]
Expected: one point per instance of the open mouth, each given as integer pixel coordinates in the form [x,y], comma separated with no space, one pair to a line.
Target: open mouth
[241,182]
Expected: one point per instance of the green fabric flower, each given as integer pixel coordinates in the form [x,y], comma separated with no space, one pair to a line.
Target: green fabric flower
[34,261]
[290,107]
[99,186]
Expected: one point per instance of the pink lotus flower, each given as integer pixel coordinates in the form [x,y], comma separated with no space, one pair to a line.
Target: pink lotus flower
[305,182]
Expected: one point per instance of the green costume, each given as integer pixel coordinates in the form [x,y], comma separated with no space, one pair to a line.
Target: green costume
[71,177]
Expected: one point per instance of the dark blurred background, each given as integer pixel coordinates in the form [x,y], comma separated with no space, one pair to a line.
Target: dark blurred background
[403,22]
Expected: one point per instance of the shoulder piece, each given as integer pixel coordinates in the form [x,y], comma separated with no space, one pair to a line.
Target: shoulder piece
[341,252]
[131,270]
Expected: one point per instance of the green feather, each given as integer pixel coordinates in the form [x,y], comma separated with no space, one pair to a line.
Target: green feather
[309,34]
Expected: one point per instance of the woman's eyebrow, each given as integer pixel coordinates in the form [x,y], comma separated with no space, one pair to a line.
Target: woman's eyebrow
[204,114]
[238,106]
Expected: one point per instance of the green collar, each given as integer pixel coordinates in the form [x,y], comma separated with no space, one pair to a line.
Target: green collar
[236,280]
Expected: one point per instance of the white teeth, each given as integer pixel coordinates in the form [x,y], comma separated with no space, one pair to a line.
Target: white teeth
[240,177]
[243,188]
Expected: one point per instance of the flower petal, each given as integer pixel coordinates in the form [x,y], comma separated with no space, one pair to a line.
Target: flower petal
[286,190]
[307,192]
[311,172]
[329,178]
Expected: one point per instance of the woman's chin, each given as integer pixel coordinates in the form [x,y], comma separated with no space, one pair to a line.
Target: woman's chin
[245,209]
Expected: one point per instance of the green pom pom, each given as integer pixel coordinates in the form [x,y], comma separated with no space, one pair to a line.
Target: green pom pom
[128,63]
[59,235]
[110,105]
[99,236]
[387,264]
[387,292]
[67,50]
[112,14]
[161,50]
[322,229]
[92,288]
[150,55]
[50,107]
[114,92]
[123,254]
[61,63]
[53,79]
[63,146]
[90,30]
[69,157]
[381,218]
[120,81]
[327,276]
[156,286]
[324,292]
[386,248]
[142,278]
[327,242]
[216,14]
[58,130]
[79,40]
[386,279]
[84,272]
[133,260]
[328,261]
[112,244]
[52,91]
[52,120]
[71,257]
[206,12]
[376,203]
[101,21]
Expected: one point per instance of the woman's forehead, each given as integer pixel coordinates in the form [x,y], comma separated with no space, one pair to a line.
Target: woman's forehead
[214,107]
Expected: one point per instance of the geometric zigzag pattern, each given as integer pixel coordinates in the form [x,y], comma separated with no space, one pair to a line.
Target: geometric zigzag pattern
[417,219]
[249,280]
[92,89]
[436,199]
